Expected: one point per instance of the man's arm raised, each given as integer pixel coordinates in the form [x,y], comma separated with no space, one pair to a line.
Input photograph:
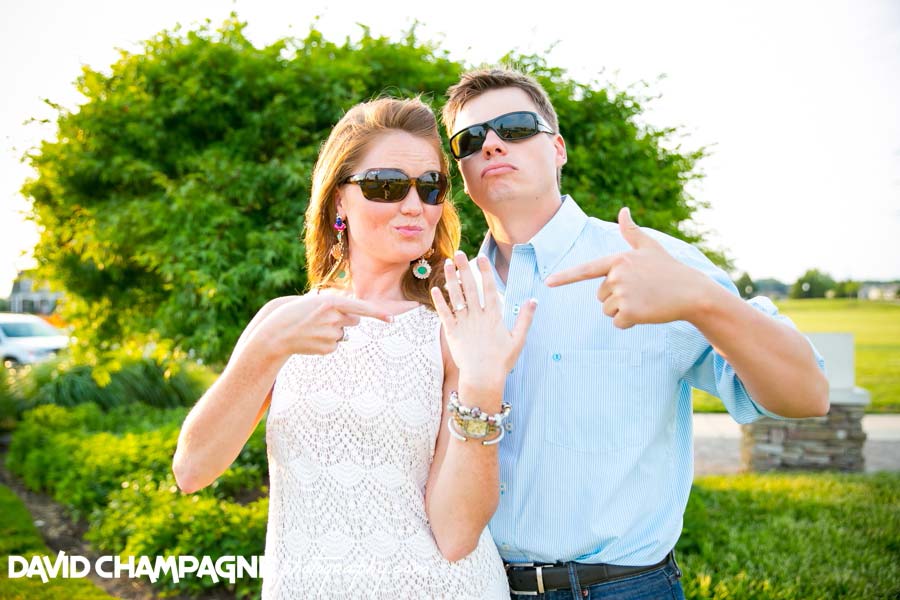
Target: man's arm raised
[647,285]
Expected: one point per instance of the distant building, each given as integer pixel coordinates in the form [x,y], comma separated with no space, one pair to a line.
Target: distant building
[771,288]
[879,291]
[29,296]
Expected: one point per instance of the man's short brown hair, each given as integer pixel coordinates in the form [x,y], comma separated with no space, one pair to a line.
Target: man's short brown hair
[474,83]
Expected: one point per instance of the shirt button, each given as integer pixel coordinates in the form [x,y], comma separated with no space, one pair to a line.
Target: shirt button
[508,427]
[502,487]
[516,309]
[557,356]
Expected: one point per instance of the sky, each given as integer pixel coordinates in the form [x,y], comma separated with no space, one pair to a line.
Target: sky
[797,101]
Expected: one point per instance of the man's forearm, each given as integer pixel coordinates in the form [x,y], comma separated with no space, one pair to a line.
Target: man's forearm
[774,362]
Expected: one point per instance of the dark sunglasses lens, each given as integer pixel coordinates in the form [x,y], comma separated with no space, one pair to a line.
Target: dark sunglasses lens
[468,141]
[431,187]
[516,126]
[384,185]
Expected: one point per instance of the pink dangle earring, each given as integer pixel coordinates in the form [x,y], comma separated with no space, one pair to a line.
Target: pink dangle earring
[337,250]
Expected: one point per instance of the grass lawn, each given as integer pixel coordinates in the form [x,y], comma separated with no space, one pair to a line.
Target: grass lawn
[876,330]
[804,537]
[19,536]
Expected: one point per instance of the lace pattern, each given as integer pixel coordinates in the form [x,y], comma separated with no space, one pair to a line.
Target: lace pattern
[351,439]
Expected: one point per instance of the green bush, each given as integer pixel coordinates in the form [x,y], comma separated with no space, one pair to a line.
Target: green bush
[81,455]
[114,469]
[123,381]
[151,518]
[10,408]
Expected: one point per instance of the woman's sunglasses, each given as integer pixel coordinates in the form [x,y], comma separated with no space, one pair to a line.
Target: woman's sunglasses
[392,185]
[514,126]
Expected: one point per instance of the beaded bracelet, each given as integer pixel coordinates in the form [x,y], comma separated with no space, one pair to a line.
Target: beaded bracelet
[465,422]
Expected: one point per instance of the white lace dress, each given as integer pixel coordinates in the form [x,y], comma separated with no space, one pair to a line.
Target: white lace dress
[351,437]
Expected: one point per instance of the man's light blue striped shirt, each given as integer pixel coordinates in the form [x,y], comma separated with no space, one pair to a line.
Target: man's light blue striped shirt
[597,461]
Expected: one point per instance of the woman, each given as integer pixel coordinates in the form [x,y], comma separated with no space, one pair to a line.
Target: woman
[371,495]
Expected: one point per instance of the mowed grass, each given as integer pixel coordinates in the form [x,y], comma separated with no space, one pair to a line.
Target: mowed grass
[19,537]
[792,537]
[876,330]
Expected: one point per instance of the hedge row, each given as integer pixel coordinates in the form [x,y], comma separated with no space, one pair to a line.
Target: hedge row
[61,382]
[114,469]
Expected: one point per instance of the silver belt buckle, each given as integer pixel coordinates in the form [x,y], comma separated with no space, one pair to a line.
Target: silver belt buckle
[539,575]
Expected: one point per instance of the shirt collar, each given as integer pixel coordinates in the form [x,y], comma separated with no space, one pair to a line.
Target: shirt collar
[554,239]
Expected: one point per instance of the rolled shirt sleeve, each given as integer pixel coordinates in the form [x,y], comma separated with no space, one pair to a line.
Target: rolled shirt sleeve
[703,367]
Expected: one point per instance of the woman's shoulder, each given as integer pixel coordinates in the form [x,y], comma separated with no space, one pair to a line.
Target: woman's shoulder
[273,304]
[276,302]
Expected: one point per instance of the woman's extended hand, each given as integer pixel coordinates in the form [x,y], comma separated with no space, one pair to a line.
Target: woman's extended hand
[314,323]
[481,345]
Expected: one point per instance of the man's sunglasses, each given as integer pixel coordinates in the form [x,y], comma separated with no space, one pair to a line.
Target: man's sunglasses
[514,126]
[392,185]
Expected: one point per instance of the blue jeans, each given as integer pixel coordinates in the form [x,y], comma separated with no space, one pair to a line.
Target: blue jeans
[659,584]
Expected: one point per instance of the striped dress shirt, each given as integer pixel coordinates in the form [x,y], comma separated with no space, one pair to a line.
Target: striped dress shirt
[597,461]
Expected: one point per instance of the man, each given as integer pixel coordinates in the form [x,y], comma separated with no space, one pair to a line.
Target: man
[597,461]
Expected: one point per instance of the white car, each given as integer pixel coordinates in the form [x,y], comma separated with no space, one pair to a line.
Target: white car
[26,339]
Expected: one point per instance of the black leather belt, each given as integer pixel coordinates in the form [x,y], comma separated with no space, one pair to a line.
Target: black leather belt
[533,579]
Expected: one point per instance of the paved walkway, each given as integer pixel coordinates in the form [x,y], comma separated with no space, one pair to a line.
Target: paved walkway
[717,443]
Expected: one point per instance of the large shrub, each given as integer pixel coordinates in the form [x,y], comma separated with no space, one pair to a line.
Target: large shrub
[172,199]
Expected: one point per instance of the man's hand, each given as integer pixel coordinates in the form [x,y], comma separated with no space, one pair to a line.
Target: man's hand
[643,285]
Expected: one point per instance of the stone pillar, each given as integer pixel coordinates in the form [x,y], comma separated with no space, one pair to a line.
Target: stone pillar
[833,442]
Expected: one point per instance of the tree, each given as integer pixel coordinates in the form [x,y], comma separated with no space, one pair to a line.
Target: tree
[812,284]
[745,286]
[846,289]
[172,200]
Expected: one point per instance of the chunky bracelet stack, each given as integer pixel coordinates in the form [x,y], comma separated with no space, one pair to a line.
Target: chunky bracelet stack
[471,422]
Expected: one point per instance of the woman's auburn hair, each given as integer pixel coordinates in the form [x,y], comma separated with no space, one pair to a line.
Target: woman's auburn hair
[339,158]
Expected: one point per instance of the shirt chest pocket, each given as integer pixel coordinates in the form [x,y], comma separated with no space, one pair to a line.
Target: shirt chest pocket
[598,400]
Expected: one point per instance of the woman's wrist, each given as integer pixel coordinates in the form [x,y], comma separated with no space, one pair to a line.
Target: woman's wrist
[268,348]
[485,393]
